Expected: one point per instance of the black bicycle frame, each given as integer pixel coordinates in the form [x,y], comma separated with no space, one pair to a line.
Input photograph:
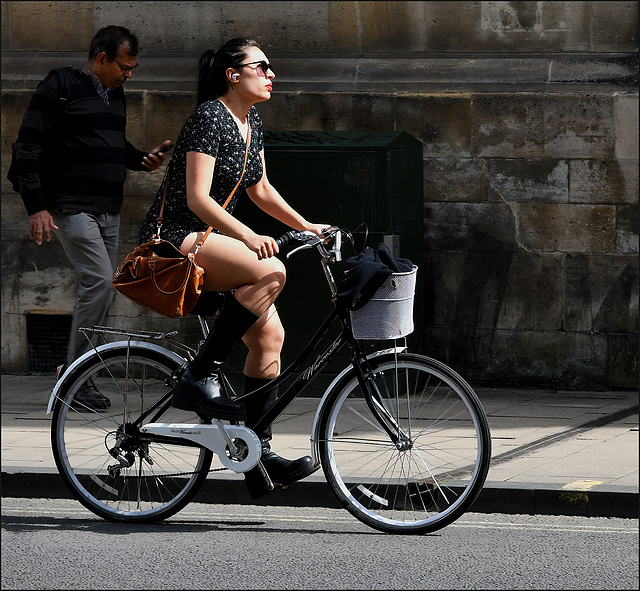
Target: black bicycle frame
[358,361]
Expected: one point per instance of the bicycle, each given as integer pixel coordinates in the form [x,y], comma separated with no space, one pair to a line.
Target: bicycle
[402,439]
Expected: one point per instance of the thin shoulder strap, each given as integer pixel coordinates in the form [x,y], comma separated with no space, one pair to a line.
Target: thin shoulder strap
[244,167]
[210,228]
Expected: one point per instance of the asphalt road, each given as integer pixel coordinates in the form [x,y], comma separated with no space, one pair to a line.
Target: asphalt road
[57,544]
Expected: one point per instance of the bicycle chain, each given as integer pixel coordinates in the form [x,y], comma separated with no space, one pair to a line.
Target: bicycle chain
[178,474]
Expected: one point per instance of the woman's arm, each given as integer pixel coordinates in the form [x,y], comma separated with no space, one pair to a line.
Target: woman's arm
[199,177]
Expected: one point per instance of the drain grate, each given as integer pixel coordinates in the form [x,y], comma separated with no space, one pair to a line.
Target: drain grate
[47,340]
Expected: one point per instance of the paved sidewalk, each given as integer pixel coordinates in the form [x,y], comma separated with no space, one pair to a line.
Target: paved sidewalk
[563,453]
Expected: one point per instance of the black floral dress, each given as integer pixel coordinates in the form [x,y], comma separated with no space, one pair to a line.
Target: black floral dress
[210,130]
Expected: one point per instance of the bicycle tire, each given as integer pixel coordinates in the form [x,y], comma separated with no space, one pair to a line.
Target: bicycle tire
[429,480]
[162,478]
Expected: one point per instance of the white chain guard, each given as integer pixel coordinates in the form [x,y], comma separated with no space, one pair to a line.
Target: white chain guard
[209,436]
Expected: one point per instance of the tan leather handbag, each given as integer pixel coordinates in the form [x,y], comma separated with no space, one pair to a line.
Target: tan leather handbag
[157,276]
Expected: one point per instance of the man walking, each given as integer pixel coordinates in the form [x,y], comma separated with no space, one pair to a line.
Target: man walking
[71,155]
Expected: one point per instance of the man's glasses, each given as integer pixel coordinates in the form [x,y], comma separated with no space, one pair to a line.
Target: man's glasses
[261,69]
[126,69]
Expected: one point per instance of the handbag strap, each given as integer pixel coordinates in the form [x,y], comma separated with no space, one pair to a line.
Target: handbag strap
[210,228]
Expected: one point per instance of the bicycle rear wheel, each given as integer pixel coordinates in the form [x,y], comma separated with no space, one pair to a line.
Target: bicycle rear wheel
[162,477]
[438,466]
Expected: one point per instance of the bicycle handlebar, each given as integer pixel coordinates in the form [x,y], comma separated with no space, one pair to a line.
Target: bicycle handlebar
[305,239]
[293,236]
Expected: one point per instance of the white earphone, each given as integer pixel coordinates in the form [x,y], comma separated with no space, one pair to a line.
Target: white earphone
[234,76]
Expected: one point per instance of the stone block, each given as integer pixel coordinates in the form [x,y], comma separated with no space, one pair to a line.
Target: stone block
[376,26]
[364,112]
[627,217]
[143,185]
[316,112]
[442,123]
[533,296]
[14,343]
[572,360]
[283,26]
[168,26]
[625,120]
[165,113]
[134,210]
[15,223]
[622,368]
[528,114]
[567,228]
[615,25]
[519,25]
[543,126]
[549,359]
[603,181]
[470,227]
[36,278]
[14,105]
[280,112]
[601,294]
[455,179]
[5,26]
[497,291]
[528,181]
[465,289]
[51,26]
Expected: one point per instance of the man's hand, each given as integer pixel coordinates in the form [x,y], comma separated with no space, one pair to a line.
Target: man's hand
[41,223]
[155,158]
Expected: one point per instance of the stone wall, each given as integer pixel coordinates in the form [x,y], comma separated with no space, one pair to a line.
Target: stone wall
[528,116]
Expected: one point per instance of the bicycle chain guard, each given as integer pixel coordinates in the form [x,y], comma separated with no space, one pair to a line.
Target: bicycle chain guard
[211,437]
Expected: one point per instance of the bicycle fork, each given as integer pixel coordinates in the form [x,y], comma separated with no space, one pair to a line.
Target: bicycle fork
[377,406]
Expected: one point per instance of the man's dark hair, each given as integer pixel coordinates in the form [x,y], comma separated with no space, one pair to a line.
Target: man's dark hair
[110,39]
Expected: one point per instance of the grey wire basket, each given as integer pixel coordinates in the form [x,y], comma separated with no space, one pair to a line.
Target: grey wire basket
[389,313]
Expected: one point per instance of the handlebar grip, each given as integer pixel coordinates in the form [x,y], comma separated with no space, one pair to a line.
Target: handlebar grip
[287,238]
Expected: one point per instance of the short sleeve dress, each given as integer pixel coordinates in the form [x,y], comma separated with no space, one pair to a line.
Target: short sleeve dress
[211,130]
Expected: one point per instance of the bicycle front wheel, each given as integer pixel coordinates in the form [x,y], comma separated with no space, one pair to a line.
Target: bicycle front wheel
[105,461]
[429,470]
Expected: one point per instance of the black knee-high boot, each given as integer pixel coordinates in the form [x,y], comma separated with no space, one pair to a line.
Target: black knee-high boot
[201,387]
[281,471]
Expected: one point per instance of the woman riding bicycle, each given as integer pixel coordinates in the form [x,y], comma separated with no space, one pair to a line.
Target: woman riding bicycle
[207,163]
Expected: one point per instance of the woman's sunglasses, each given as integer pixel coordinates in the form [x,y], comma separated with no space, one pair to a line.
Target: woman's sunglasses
[261,69]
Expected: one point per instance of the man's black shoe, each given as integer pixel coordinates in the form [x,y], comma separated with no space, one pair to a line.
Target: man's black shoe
[88,396]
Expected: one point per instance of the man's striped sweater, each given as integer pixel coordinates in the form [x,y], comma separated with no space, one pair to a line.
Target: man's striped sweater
[72,155]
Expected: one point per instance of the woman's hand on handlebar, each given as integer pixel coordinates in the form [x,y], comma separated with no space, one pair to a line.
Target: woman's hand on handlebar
[317,228]
[264,246]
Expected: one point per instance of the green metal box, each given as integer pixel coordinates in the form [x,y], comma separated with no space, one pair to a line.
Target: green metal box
[343,179]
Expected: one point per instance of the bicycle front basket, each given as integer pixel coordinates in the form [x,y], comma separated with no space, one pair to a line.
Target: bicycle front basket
[389,313]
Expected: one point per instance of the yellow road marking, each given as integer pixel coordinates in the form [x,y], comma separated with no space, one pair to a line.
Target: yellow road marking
[582,485]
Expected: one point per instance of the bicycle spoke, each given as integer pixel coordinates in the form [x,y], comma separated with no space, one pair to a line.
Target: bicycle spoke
[438,465]
[104,459]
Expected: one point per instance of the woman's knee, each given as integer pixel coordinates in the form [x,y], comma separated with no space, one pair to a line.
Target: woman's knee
[263,291]
[277,274]
[267,335]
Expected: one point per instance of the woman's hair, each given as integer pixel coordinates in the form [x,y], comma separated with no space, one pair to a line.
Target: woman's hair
[110,39]
[212,67]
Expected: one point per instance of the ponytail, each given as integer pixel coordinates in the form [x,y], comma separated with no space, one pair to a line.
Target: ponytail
[213,65]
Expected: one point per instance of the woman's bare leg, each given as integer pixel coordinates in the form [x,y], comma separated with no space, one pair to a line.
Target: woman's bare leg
[264,340]
[229,264]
